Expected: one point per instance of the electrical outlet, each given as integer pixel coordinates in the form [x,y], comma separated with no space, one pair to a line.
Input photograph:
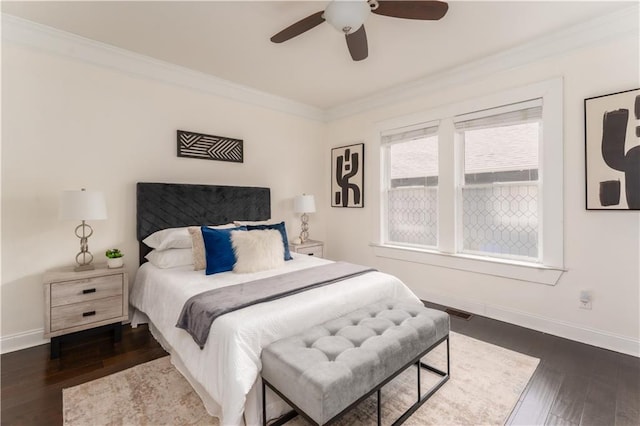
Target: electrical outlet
[584,304]
[585,300]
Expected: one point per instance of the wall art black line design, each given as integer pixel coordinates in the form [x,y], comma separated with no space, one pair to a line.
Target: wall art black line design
[210,147]
[612,157]
[347,176]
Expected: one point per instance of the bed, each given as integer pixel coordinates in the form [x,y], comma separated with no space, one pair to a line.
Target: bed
[225,372]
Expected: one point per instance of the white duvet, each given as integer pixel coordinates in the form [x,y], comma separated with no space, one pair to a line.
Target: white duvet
[225,372]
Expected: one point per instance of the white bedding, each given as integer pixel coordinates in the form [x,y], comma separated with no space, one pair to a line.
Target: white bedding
[225,371]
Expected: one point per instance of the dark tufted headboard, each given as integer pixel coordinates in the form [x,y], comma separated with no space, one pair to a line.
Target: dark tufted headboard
[171,205]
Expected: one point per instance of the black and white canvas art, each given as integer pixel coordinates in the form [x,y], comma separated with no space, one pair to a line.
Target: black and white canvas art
[347,171]
[612,137]
[210,147]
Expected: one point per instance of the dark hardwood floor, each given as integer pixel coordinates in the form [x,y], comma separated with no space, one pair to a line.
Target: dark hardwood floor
[31,383]
[575,384]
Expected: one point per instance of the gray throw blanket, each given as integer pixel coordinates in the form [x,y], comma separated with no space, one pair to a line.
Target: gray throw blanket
[199,312]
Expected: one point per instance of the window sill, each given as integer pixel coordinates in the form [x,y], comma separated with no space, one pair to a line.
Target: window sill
[521,271]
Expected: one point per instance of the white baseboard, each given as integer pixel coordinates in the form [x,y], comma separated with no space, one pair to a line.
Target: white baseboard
[26,339]
[579,333]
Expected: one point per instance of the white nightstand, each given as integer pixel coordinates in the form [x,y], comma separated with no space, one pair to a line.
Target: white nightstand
[76,301]
[310,247]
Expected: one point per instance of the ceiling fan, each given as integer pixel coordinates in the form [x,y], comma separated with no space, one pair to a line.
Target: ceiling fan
[348,17]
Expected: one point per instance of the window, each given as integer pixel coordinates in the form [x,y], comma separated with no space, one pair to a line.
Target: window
[477,182]
[412,186]
[499,189]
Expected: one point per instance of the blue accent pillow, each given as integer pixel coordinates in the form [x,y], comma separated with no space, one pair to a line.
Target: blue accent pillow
[283,232]
[218,251]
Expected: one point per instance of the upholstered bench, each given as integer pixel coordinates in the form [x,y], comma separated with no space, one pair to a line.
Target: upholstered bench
[326,370]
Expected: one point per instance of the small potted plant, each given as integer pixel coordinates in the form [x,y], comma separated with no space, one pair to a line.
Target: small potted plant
[114,258]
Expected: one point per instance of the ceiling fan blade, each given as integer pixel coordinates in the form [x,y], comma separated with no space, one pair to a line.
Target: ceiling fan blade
[412,9]
[357,44]
[299,27]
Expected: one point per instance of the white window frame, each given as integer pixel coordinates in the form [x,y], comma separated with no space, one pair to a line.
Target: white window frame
[386,178]
[460,143]
[550,180]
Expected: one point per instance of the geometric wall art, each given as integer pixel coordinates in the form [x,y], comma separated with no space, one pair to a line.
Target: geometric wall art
[347,176]
[209,147]
[612,151]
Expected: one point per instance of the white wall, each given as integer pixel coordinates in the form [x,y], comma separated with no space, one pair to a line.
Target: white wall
[69,124]
[601,249]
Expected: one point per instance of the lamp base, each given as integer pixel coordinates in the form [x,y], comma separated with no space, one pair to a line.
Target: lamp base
[304,227]
[84,257]
[88,267]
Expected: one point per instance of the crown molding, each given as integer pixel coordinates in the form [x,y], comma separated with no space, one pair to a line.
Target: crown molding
[42,37]
[621,23]
[618,24]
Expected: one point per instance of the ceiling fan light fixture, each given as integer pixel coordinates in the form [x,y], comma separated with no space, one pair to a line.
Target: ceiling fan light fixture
[347,16]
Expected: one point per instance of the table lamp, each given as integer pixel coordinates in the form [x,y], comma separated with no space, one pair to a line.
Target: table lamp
[304,204]
[83,205]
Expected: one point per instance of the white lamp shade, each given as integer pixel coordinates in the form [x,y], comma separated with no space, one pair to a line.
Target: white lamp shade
[82,205]
[304,204]
[347,16]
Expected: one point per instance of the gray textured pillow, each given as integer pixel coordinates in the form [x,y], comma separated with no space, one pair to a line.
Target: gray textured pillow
[257,250]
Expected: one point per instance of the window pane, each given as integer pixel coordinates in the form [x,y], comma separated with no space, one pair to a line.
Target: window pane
[412,215]
[500,194]
[501,154]
[501,220]
[414,162]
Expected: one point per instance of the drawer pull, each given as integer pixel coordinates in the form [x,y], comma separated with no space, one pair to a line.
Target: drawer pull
[88,314]
[311,254]
[89,290]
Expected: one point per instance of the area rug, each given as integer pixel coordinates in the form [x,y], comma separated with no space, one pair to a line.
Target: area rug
[486,382]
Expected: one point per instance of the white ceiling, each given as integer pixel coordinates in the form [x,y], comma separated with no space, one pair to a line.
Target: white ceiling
[230,39]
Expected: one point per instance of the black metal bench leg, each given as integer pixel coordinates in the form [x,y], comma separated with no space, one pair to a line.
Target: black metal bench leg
[379,416]
[418,365]
[448,361]
[423,398]
[264,405]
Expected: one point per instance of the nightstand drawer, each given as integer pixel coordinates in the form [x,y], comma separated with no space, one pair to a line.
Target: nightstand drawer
[68,292]
[85,313]
[311,251]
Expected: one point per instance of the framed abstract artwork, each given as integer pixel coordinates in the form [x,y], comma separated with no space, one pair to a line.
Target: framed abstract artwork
[347,176]
[209,147]
[612,151]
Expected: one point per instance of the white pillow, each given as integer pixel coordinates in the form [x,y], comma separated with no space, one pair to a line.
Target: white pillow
[169,238]
[257,250]
[170,258]
[174,237]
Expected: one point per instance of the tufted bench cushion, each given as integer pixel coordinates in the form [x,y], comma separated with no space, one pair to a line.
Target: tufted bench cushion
[328,367]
